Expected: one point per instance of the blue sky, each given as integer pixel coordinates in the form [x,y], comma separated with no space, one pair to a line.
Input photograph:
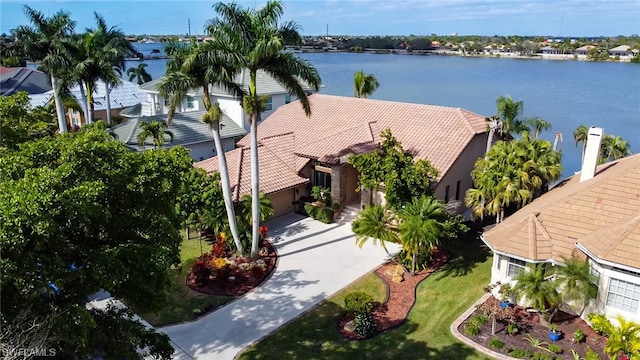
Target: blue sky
[363,17]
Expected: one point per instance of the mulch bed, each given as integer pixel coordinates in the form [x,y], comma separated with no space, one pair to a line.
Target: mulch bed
[528,323]
[400,296]
[253,280]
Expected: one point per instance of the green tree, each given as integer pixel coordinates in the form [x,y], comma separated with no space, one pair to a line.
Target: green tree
[364,84]
[421,226]
[377,223]
[580,135]
[623,338]
[535,288]
[537,124]
[253,39]
[156,130]
[266,208]
[576,282]
[139,74]
[85,213]
[201,202]
[19,123]
[47,41]
[196,66]
[509,112]
[613,148]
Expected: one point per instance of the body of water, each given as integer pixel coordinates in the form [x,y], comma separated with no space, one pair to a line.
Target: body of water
[565,93]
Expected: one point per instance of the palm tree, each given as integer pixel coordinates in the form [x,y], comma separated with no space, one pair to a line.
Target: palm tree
[576,282]
[580,135]
[421,226]
[253,40]
[509,112]
[46,41]
[266,208]
[156,130]
[364,84]
[195,67]
[376,223]
[139,74]
[533,286]
[613,148]
[537,124]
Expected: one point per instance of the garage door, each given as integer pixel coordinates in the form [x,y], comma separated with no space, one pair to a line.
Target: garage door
[282,202]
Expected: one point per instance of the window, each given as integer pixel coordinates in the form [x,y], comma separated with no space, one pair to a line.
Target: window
[167,101]
[287,99]
[516,267]
[446,194]
[322,179]
[499,261]
[268,105]
[458,190]
[190,102]
[623,295]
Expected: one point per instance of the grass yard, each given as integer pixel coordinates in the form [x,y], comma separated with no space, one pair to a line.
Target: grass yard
[182,300]
[441,298]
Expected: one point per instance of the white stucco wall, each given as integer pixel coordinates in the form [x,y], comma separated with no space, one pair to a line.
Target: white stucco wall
[233,109]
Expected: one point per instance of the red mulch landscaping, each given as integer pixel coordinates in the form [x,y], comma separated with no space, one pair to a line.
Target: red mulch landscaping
[528,323]
[400,296]
[253,278]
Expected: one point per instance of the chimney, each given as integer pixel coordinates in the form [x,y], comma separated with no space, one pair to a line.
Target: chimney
[591,154]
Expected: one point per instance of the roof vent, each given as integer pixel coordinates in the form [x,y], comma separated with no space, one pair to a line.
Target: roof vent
[591,154]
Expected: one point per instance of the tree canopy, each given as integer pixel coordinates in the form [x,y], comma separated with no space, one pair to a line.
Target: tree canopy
[80,213]
[20,123]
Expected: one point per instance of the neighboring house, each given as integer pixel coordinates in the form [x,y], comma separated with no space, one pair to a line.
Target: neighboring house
[13,80]
[125,95]
[623,50]
[583,50]
[296,151]
[594,215]
[548,50]
[267,86]
[188,131]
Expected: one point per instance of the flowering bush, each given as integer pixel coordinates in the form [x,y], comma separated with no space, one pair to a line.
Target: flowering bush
[219,248]
[264,231]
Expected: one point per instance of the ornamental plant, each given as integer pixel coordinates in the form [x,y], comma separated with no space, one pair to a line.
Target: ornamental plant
[359,302]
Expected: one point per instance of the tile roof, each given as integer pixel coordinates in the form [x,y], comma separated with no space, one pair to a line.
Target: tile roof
[265,83]
[187,128]
[19,79]
[601,214]
[339,125]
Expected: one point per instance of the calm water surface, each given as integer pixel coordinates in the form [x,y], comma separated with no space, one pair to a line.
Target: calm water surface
[565,93]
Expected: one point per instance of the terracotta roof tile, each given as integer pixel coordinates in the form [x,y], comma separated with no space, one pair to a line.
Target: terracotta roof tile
[602,214]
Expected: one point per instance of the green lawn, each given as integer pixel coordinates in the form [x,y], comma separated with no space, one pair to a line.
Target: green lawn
[182,300]
[442,297]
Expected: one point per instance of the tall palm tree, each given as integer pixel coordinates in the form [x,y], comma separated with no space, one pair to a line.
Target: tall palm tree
[377,223]
[46,41]
[537,124]
[421,226]
[613,148]
[509,112]
[533,286]
[139,74]
[253,39]
[580,135]
[364,84]
[191,67]
[577,283]
[156,130]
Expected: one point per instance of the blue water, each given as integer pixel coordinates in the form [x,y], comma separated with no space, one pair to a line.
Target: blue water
[565,93]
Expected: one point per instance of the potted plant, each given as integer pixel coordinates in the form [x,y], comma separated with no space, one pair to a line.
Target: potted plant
[554,333]
[578,336]
[505,295]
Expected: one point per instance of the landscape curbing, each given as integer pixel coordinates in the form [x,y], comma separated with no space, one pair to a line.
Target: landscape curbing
[454,331]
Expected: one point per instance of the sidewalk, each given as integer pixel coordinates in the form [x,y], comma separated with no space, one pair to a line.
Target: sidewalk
[316,260]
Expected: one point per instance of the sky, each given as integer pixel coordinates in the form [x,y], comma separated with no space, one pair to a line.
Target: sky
[575,18]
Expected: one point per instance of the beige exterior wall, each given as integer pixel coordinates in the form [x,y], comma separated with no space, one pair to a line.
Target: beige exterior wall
[351,185]
[461,171]
[282,202]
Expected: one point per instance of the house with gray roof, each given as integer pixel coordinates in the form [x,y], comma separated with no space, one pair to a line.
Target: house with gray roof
[188,131]
[13,80]
[156,104]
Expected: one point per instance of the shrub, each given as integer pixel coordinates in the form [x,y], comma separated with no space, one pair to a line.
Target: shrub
[219,248]
[200,272]
[542,356]
[471,329]
[359,302]
[591,355]
[311,210]
[365,325]
[598,322]
[478,320]
[578,336]
[512,329]
[520,353]
[325,215]
[556,349]
[496,343]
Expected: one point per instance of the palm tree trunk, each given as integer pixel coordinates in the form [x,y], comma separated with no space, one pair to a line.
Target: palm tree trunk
[85,105]
[62,121]
[89,118]
[108,100]
[226,188]
[413,263]
[255,186]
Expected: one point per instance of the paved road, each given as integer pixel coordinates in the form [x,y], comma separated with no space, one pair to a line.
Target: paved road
[316,261]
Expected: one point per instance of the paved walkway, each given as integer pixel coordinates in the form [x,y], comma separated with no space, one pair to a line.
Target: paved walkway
[316,260]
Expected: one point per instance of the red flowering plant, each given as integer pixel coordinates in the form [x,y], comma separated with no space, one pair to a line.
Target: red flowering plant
[264,231]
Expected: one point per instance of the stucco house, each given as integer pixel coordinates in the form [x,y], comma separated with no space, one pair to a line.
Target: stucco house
[583,50]
[594,215]
[623,51]
[188,131]
[156,104]
[296,151]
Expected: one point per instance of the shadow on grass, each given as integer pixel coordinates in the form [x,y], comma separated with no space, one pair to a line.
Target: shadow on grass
[315,336]
[466,254]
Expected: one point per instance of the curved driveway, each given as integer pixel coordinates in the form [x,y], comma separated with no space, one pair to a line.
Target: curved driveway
[316,260]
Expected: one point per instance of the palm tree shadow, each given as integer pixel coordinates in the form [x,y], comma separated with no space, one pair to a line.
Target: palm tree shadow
[466,254]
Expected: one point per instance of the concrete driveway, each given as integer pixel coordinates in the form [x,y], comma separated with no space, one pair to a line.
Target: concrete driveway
[316,261]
